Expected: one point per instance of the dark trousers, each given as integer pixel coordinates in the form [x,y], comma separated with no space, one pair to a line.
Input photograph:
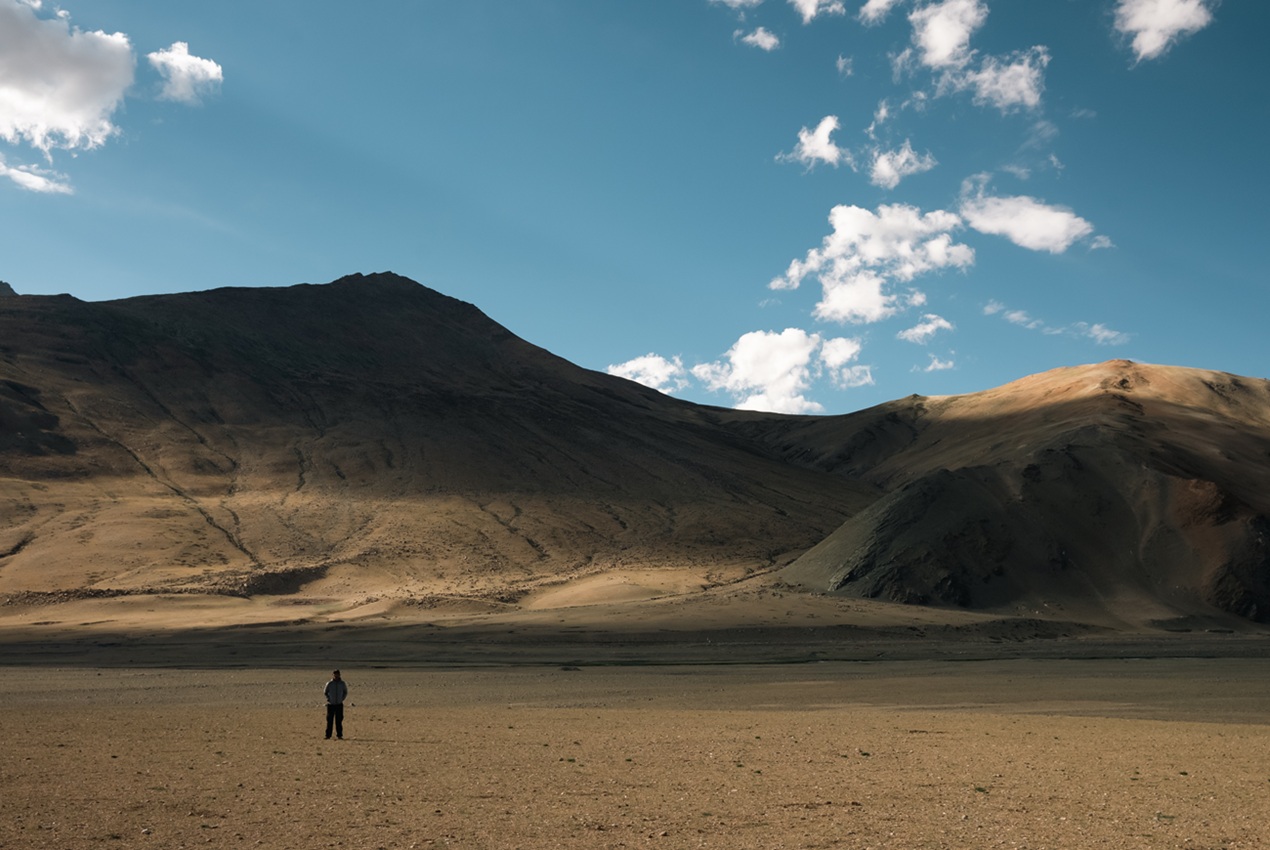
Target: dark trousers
[335,715]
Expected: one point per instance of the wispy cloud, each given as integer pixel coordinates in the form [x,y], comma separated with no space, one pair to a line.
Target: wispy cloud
[1017,81]
[739,4]
[890,167]
[186,78]
[1098,332]
[809,9]
[875,11]
[1156,25]
[35,179]
[923,331]
[938,365]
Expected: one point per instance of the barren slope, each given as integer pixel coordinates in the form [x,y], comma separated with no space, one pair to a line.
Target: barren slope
[1125,489]
[365,437]
[369,447]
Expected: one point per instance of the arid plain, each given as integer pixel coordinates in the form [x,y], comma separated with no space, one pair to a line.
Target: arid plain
[576,613]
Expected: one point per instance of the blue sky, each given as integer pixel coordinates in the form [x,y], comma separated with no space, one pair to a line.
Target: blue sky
[794,205]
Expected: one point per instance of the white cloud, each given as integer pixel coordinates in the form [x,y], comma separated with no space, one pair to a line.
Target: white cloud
[1016,82]
[837,356]
[898,240]
[809,9]
[859,263]
[937,365]
[844,66]
[35,179]
[760,38]
[1101,334]
[1157,24]
[816,146]
[767,371]
[186,77]
[1100,242]
[890,167]
[875,11]
[942,31]
[1022,319]
[941,42]
[59,85]
[1023,220]
[739,4]
[857,298]
[653,370]
[923,331]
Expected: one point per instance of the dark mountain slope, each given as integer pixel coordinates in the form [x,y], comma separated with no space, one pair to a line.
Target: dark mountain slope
[1140,489]
[370,422]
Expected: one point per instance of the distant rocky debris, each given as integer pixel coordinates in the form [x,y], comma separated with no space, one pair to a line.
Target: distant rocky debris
[6,290]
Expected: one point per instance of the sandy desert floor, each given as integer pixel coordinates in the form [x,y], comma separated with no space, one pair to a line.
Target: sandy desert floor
[1013,753]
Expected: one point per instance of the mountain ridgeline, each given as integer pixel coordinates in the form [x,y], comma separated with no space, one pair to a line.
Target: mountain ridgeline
[259,441]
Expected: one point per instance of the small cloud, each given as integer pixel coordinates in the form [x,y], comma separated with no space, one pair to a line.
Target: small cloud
[942,31]
[187,78]
[809,9]
[844,66]
[837,356]
[760,38]
[875,11]
[739,5]
[890,167]
[1100,242]
[1007,84]
[1156,25]
[880,116]
[653,370]
[1022,319]
[923,331]
[937,365]
[815,146]
[1101,334]
[35,179]
[1023,220]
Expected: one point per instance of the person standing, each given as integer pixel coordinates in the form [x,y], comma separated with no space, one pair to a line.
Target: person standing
[336,692]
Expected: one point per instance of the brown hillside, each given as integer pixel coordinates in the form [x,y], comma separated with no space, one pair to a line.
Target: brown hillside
[371,444]
[363,436]
[1121,487]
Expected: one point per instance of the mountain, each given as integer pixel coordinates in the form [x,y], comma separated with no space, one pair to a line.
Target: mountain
[1135,488]
[372,442]
[365,434]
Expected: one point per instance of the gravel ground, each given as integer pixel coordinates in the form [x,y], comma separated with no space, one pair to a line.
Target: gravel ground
[1172,753]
